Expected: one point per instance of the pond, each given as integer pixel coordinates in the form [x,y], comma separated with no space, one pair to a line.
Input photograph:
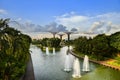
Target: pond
[50,66]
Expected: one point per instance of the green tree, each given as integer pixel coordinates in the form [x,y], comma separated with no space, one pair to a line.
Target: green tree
[44,42]
[115,40]
[14,52]
[81,44]
[101,47]
[54,42]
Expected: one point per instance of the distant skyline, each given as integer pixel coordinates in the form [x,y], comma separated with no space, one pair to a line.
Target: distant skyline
[99,16]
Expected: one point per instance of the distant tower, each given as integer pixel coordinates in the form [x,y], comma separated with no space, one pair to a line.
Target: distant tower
[68,34]
[54,33]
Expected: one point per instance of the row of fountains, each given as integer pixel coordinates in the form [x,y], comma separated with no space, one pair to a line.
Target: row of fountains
[76,64]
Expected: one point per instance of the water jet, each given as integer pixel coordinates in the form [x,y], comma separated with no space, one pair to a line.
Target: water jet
[76,68]
[86,64]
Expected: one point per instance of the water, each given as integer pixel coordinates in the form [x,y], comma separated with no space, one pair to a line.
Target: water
[51,67]
[53,51]
[86,64]
[47,51]
[67,63]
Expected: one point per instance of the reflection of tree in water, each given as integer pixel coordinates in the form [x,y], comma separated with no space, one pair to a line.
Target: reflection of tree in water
[43,49]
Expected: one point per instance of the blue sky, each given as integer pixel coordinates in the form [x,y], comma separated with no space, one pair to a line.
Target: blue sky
[43,12]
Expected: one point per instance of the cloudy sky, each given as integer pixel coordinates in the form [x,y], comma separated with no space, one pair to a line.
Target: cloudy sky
[98,16]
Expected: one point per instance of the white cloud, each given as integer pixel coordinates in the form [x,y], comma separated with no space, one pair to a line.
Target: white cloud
[111,22]
[19,19]
[71,20]
[28,27]
[96,25]
[103,23]
[2,11]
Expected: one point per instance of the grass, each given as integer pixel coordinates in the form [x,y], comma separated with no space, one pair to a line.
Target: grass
[114,62]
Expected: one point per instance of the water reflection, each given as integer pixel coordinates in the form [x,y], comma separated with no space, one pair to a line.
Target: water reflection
[49,67]
[53,51]
[67,67]
[47,51]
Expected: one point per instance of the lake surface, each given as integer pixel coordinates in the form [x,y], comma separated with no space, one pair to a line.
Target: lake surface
[50,66]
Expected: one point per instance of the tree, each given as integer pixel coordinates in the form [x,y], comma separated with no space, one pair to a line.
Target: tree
[81,44]
[101,46]
[54,42]
[115,40]
[14,52]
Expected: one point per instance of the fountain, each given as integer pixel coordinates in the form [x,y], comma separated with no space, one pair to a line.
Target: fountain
[53,51]
[70,47]
[67,64]
[47,51]
[76,69]
[86,64]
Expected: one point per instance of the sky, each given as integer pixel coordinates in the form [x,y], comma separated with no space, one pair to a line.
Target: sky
[98,16]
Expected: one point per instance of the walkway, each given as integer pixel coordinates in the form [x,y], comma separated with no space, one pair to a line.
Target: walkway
[108,65]
[29,74]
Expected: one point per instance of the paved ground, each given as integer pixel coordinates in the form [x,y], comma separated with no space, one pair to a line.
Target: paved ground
[29,75]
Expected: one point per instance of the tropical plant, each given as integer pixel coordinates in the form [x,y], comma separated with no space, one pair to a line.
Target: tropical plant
[14,52]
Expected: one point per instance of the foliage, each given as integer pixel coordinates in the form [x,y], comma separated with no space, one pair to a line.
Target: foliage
[118,60]
[115,40]
[48,42]
[101,47]
[54,42]
[44,42]
[68,42]
[14,52]
[115,62]
[35,41]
